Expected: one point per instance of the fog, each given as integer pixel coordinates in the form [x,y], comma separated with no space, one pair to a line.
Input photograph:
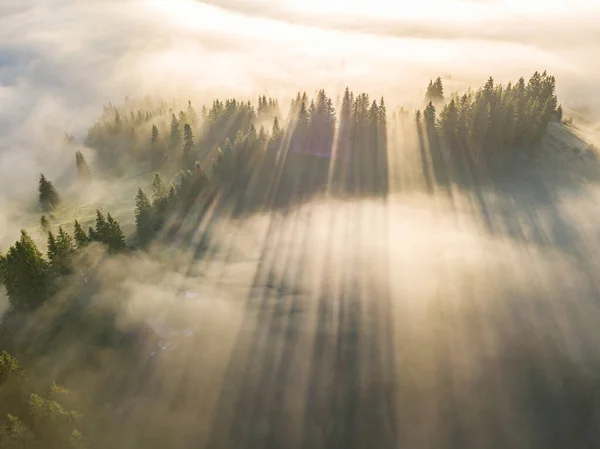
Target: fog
[60,61]
[306,319]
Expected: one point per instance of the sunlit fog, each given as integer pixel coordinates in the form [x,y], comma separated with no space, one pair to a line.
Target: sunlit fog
[299,224]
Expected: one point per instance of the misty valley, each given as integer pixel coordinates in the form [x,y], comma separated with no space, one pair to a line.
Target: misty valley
[338,272]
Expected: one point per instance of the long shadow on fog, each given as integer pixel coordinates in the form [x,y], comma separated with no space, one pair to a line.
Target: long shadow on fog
[328,379]
[270,401]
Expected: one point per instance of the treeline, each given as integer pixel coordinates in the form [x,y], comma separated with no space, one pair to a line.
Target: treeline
[30,279]
[494,121]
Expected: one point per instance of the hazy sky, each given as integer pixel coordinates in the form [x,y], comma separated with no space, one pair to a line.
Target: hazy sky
[60,60]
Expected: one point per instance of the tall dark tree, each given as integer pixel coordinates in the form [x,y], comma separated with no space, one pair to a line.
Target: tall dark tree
[144,218]
[175,134]
[26,275]
[429,116]
[48,195]
[101,231]
[188,143]
[157,150]
[83,170]
[116,238]
[60,252]
[81,238]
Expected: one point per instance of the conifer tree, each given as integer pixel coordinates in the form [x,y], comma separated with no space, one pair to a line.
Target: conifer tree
[144,220]
[60,252]
[48,195]
[26,274]
[51,247]
[81,238]
[101,232]
[175,135]
[116,238]
[83,170]
[429,116]
[480,123]
[188,143]
[159,189]
[156,147]
[276,129]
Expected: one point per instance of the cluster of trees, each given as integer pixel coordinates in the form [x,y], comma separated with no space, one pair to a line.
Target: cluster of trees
[29,420]
[312,126]
[30,279]
[494,120]
[361,162]
[435,91]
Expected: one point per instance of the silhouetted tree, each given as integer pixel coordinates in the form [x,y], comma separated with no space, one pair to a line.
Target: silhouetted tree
[83,170]
[48,195]
[26,275]
[144,220]
[81,238]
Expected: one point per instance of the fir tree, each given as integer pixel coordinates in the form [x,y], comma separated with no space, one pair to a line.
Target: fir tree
[48,195]
[116,238]
[60,252]
[156,147]
[188,143]
[429,116]
[81,238]
[159,189]
[144,220]
[26,274]
[175,135]
[101,232]
[276,129]
[83,170]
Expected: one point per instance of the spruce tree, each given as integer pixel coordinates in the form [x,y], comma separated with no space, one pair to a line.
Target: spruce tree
[159,189]
[144,220]
[276,129]
[156,148]
[83,170]
[65,251]
[188,144]
[429,116]
[51,247]
[116,238]
[101,231]
[81,238]
[480,123]
[60,252]
[175,135]
[26,274]
[48,195]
